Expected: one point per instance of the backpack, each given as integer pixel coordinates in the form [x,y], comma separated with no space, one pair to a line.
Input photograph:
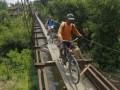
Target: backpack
[64,26]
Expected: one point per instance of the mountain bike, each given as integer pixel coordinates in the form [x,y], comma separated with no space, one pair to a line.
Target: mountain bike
[52,34]
[70,61]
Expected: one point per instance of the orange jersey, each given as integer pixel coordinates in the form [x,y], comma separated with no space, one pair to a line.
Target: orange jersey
[64,31]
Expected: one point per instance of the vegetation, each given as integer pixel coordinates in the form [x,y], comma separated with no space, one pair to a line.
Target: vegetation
[16,61]
[105,17]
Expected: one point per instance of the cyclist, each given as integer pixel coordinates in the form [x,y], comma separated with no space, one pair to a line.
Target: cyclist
[64,32]
[50,24]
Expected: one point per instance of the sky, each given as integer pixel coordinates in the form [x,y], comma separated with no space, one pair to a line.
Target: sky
[14,1]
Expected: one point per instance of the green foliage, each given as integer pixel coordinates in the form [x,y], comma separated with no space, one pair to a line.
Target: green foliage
[59,10]
[105,16]
[3,5]
[17,65]
[15,37]
[19,62]
[3,10]
[34,82]
[3,15]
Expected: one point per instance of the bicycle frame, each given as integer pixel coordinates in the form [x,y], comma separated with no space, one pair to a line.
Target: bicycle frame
[72,63]
[68,51]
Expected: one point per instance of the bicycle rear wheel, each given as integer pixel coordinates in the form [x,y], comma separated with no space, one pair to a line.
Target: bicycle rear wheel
[74,70]
[51,37]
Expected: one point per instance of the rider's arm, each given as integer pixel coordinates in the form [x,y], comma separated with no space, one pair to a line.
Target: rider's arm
[60,31]
[76,31]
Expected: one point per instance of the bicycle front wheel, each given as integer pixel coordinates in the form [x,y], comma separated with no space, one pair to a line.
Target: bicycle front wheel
[74,70]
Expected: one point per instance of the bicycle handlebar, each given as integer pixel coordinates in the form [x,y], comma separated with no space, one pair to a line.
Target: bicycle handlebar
[71,40]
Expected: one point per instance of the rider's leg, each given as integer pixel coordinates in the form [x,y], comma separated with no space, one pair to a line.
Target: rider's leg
[61,49]
[61,54]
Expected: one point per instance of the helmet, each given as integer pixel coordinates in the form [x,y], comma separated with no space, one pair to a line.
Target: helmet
[70,16]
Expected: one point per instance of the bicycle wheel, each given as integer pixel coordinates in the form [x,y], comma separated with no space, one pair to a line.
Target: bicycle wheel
[51,37]
[74,69]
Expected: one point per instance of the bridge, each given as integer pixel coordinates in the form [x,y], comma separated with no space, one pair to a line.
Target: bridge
[90,77]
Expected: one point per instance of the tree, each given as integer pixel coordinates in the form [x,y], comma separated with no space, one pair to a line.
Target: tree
[104,15]
[3,5]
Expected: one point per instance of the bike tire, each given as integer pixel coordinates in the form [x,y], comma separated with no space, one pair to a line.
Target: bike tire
[76,77]
[51,38]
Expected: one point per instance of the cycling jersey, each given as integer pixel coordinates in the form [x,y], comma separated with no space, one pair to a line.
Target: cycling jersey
[50,22]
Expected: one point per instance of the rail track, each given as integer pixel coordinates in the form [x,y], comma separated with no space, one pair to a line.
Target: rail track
[91,78]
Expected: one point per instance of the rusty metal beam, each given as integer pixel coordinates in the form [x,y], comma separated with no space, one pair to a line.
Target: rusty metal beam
[37,47]
[85,61]
[37,31]
[39,80]
[37,27]
[49,63]
[39,72]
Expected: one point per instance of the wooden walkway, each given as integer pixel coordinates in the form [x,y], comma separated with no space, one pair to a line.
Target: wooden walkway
[54,51]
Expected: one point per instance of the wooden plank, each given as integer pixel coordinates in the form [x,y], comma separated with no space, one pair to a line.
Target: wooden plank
[103,79]
[37,31]
[37,27]
[37,47]
[96,80]
[85,69]
[42,26]
[43,37]
[48,63]
[85,60]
